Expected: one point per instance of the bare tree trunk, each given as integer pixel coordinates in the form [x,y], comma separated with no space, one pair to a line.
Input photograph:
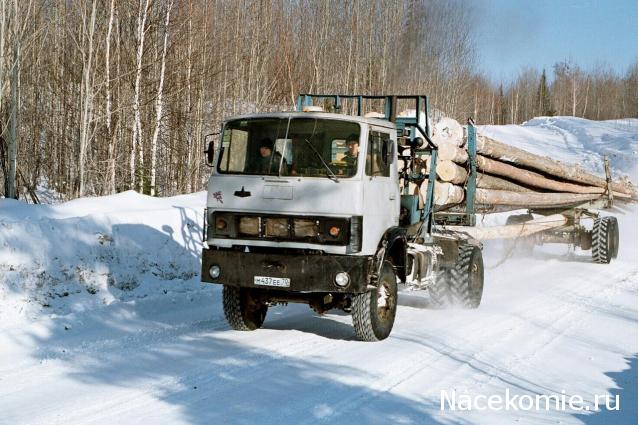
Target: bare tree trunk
[530,199]
[137,125]
[12,191]
[573,95]
[86,117]
[110,183]
[531,178]
[200,111]
[546,165]
[513,230]
[3,25]
[159,104]
[3,88]
[446,193]
[586,98]
[189,101]
[486,181]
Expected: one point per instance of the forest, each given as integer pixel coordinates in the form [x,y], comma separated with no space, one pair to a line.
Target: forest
[102,96]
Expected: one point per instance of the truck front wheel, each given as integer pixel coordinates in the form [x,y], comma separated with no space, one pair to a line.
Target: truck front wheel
[243,311]
[373,312]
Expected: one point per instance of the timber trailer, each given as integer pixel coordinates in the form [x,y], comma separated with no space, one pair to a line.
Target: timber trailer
[288,219]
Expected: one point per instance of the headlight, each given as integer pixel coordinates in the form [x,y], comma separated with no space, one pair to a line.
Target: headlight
[221,224]
[214,271]
[249,226]
[277,227]
[342,279]
[306,228]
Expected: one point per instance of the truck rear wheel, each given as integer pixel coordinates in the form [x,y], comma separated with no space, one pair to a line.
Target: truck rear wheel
[461,285]
[604,240]
[373,312]
[242,310]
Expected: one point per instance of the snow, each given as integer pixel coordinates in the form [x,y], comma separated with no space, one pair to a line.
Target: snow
[96,249]
[576,141]
[103,320]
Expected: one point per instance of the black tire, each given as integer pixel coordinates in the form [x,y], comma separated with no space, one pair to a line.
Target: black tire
[373,312]
[440,294]
[461,285]
[604,240]
[243,312]
[615,237]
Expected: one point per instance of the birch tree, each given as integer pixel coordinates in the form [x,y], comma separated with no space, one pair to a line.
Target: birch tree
[137,125]
[159,104]
[95,103]
[20,16]
[87,94]
[107,84]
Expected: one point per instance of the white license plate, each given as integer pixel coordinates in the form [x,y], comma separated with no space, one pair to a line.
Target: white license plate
[282,282]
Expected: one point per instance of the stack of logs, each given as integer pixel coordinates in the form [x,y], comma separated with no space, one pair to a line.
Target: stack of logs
[511,177]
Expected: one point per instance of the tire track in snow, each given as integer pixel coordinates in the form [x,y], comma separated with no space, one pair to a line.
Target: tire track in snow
[247,367]
[556,326]
[562,321]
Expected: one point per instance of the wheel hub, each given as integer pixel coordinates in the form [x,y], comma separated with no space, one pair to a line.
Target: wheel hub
[385,301]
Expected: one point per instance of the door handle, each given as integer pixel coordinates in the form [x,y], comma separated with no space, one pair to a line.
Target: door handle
[392,197]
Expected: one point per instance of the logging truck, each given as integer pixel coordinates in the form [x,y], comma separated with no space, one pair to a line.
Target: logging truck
[296,213]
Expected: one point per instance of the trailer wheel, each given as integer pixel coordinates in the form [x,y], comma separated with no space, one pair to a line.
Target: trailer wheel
[616,236]
[461,285]
[604,240]
[373,312]
[242,310]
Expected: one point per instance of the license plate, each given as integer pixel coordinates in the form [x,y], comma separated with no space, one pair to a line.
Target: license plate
[282,282]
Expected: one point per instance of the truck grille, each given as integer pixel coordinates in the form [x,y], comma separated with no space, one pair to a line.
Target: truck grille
[321,230]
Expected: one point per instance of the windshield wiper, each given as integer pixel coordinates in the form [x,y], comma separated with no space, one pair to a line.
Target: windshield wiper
[331,175]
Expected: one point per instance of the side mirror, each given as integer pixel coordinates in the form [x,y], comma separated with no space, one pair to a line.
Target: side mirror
[210,153]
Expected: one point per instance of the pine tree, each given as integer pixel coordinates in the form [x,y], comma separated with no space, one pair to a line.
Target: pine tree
[542,98]
[502,106]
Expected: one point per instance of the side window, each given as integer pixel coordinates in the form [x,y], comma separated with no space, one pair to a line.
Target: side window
[379,157]
[235,144]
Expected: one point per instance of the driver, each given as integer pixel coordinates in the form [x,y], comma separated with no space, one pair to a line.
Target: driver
[350,158]
[267,161]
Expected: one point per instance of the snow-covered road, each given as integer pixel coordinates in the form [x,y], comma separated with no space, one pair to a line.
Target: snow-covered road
[148,344]
[550,324]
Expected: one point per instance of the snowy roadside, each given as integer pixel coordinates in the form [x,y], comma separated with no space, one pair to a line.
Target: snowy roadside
[78,255]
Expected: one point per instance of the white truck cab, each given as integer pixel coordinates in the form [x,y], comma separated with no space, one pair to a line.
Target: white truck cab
[307,207]
[305,176]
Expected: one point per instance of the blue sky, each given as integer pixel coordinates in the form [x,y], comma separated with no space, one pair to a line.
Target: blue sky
[512,34]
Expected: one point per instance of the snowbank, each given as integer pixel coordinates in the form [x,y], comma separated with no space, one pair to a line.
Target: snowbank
[576,141]
[79,254]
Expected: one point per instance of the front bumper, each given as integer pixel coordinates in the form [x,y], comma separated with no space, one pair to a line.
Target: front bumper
[307,273]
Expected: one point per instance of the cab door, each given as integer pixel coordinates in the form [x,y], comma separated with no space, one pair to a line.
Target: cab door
[380,186]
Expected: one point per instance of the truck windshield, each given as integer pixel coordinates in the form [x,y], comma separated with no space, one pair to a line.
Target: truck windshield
[304,147]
